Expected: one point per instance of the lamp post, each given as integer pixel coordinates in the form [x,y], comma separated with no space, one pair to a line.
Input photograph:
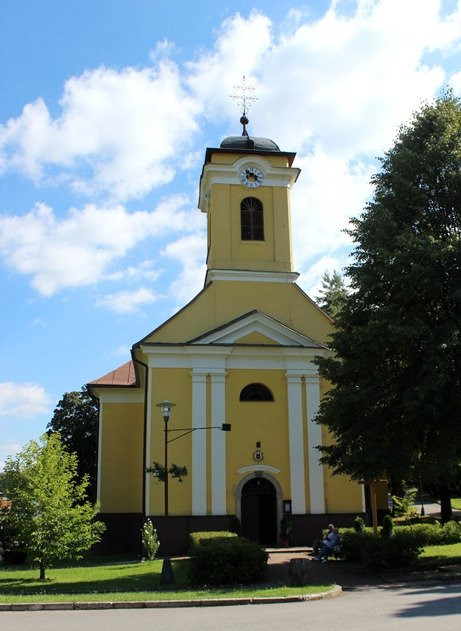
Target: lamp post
[167,575]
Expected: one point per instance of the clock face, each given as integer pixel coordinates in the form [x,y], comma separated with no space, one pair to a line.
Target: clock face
[251,177]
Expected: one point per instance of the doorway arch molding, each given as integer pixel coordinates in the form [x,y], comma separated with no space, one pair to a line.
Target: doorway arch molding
[278,494]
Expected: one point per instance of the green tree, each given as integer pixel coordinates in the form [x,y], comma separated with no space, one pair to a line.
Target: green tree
[75,418]
[395,406]
[48,510]
[333,294]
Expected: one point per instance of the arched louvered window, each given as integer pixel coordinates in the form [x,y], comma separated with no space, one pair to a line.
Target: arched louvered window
[252,219]
[256,392]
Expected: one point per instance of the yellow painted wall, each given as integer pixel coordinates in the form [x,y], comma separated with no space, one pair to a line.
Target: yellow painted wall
[254,421]
[121,471]
[222,301]
[172,385]
[228,250]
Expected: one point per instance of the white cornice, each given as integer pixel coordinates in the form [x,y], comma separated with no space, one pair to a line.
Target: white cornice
[211,358]
[112,394]
[229,174]
[250,276]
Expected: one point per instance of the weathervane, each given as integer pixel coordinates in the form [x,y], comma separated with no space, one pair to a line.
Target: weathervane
[245,101]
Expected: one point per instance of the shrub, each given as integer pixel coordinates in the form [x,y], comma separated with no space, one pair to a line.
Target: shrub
[387,527]
[150,540]
[227,561]
[359,524]
[399,550]
[206,537]
[433,534]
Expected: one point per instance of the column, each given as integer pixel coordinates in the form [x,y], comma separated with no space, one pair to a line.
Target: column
[218,444]
[100,428]
[296,442]
[199,439]
[314,439]
[148,476]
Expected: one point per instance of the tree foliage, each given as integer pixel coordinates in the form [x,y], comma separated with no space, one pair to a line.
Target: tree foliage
[75,418]
[333,294]
[48,509]
[395,405]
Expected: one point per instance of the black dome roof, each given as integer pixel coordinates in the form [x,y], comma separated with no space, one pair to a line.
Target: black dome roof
[247,142]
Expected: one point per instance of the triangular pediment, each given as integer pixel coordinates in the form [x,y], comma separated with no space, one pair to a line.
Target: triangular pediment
[256,328]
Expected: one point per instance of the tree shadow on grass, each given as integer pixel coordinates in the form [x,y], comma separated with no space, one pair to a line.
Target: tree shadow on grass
[119,578]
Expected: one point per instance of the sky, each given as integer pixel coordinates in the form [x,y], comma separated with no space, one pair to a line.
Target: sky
[106,109]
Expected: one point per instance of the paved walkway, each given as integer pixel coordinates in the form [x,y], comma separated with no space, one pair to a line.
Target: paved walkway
[335,572]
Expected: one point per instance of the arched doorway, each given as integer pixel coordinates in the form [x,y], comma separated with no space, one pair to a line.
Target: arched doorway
[259,511]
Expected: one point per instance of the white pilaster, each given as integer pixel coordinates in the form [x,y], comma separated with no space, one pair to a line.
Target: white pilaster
[314,439]
[98,485]
[148,476]
[218,443]
[199,439]
[296,442]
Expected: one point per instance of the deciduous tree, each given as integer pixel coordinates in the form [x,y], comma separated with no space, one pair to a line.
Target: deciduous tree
[48,508]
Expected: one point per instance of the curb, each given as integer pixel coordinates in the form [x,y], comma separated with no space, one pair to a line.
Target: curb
[164,604]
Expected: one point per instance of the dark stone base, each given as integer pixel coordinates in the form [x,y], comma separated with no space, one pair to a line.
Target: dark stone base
[308,528]
[123,533]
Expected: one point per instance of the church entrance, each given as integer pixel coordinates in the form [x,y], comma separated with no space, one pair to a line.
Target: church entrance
[259,511]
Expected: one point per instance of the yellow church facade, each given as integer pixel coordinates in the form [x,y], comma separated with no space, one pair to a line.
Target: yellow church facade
[241,352]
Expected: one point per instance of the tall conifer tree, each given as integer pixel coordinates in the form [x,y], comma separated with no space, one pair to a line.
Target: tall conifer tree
[395,409]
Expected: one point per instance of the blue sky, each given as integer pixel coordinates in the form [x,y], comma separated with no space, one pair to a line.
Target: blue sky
[106,109]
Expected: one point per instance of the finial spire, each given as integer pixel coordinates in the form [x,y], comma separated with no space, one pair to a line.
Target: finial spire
[245,101]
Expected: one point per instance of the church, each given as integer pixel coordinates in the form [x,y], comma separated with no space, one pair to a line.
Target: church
[241,353]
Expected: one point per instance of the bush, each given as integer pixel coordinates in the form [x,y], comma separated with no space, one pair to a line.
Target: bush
[207,537]
[399,550]
[387,527]
[434,534]
[359,524]
[150,540]
[227,561]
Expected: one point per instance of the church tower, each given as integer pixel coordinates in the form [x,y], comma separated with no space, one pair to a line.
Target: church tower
[245,192]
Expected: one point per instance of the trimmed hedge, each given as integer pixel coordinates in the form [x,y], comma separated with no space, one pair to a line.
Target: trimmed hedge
[206,537]
[227,561]
[399,549]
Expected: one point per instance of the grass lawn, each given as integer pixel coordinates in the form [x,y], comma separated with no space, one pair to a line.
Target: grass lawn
[456,502]
[120,581]
[440,555]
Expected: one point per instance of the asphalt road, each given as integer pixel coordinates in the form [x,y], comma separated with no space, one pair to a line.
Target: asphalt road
[419,606]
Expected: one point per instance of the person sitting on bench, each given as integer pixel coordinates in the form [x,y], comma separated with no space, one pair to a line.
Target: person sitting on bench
[328,544]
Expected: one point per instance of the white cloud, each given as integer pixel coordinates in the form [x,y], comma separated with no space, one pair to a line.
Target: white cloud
[80,248]
[119,132]
[335,89]
[128,301]
[189,252]
[23,399]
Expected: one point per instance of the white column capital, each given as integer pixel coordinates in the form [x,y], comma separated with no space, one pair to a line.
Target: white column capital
[198,376]
[293,376]
[218,376]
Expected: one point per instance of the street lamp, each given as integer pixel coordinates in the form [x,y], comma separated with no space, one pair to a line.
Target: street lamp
[167,570]
[167,575]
